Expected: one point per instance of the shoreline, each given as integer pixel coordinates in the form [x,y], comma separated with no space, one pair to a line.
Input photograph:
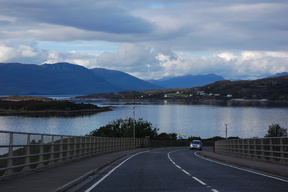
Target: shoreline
[231,102]
[45,107]
[55,113]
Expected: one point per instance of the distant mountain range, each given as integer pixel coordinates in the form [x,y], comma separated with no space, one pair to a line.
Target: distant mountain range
[187,81]
[279,74]
[70,79]
[64,79]
[124,81]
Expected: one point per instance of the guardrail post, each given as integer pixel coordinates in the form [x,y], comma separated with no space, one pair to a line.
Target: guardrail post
[271,149]
[237,147]
[61,150]
[263,150]
[89,145]
[76,150]
[27,153]
[252,148]
[51,162]
[68,148]
[93,145]
[281,150]
[10,154]
[41,143]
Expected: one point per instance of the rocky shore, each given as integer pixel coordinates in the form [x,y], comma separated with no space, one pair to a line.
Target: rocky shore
[55,113]
[45,107]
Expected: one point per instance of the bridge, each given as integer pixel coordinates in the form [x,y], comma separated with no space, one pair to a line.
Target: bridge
[23,153]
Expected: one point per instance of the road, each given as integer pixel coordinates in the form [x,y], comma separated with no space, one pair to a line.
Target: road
[179,169]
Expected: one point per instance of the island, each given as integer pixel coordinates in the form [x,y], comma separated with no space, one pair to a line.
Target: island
[45,107]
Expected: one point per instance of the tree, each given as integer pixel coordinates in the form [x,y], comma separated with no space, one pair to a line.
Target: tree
[276,131]
[124,128]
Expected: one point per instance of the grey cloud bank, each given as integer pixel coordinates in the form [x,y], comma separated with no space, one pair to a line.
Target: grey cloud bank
[234,39]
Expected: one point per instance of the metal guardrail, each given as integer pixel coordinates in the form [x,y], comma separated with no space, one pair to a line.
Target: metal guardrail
[273,150]
[21,152]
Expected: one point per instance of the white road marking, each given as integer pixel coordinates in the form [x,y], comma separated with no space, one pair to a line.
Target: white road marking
[186,172]
[242,169]
[105,176]
[201,182]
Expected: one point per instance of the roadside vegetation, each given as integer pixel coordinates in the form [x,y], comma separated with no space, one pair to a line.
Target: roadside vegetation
[124,128]
[275,130]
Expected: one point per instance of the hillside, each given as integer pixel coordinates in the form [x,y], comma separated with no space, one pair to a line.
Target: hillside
[63,79]
[50,79]
[187,81]
[274,88]
[124,81]
[272,91]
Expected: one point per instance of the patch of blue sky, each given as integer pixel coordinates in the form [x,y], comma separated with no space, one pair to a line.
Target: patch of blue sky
[80,46]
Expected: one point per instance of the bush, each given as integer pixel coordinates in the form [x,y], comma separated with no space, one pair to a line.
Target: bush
[124,128]
[276,131]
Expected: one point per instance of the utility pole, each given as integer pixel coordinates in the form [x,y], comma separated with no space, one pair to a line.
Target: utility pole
[226,130]
[134,122]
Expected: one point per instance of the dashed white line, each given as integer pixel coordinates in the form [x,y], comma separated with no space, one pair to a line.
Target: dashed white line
[201,182]
[186,172]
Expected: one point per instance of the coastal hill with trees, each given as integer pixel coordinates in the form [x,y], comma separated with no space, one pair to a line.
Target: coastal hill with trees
[267,91]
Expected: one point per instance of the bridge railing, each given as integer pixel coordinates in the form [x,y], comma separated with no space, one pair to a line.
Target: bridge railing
[273,150]
[21,152]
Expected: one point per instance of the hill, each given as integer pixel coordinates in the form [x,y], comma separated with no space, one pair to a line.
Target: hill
[187,81]
[280,74]
[274,88]
[272,91]
[61,79]
[124,81]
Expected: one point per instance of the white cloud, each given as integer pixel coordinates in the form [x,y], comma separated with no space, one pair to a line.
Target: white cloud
[244,39]
[227,56]
[6,53]
[147,62]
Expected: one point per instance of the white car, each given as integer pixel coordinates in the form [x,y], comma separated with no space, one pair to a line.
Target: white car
[196,144]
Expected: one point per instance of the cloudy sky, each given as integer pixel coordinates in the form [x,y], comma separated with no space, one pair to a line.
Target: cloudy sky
[237,39]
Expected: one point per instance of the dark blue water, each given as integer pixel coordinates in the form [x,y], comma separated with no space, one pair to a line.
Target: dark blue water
[191,120]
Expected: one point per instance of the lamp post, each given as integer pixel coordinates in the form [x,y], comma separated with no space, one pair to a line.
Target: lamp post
[134,126]
[134,122]
[226,130]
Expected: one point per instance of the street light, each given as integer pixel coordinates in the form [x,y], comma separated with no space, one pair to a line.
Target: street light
[134,122]
[226,130]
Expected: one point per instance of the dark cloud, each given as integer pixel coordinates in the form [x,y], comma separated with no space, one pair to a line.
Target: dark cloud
[87,15]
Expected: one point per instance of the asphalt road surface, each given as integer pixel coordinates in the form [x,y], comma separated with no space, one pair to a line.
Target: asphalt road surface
[179,169]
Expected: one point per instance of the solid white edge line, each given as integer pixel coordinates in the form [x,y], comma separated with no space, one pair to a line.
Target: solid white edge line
[242,169]
[105,176]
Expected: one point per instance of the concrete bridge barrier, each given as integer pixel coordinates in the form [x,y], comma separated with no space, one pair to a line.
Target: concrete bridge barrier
[20,152]
[272,150]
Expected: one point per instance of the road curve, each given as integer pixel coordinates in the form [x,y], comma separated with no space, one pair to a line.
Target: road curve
[179,169]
